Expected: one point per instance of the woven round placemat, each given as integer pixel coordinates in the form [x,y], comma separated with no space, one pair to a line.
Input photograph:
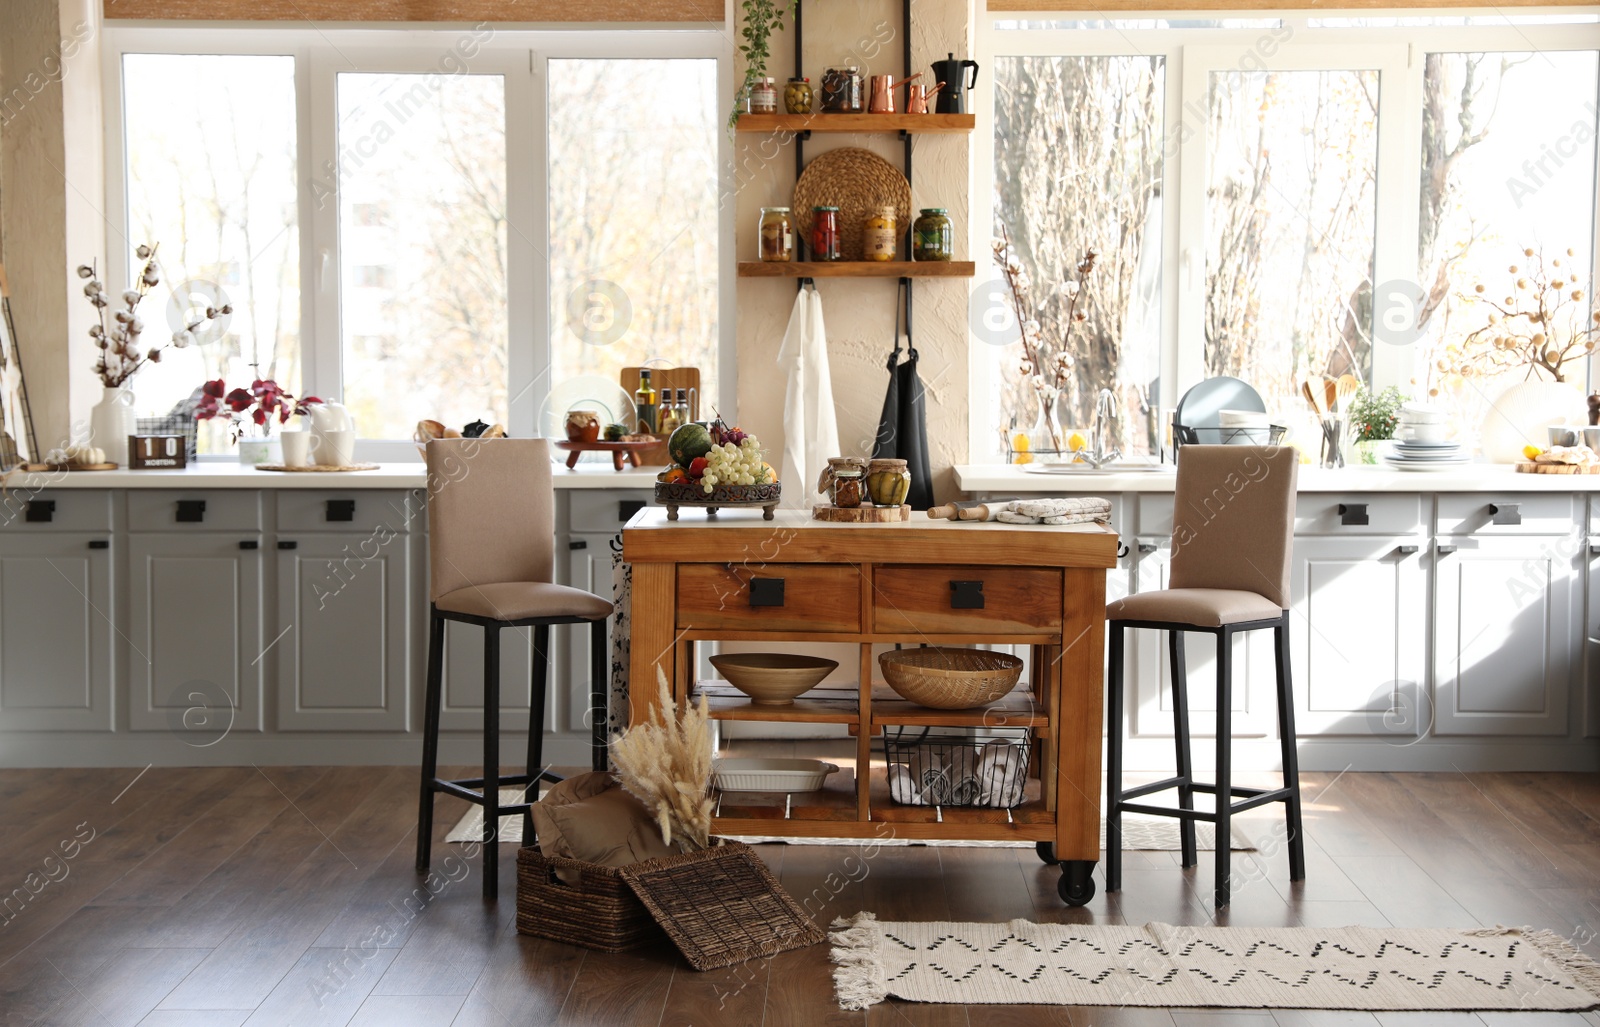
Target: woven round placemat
[859,183]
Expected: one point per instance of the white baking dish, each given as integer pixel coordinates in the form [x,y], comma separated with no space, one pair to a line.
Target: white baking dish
[769,775]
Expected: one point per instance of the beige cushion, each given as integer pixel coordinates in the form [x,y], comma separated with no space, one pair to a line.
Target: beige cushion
[1233,519]
[589,817]
[1201,607]
[523,600]
[491,513]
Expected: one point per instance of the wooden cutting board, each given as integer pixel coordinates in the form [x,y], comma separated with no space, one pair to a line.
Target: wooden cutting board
[1533,468]
[861,514]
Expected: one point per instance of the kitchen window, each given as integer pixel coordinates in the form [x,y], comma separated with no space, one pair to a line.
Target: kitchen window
[1325,195]
[416,227]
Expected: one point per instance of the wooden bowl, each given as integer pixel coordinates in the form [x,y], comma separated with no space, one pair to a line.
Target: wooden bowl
[950,679]
[772,679]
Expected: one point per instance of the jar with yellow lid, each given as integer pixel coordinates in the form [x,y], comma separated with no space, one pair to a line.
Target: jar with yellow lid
[878,235]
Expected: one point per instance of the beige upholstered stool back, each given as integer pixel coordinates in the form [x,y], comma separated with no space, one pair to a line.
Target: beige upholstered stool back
[491,513]
[1233,519]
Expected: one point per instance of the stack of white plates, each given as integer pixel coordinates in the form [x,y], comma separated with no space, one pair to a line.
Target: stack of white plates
[1420,443]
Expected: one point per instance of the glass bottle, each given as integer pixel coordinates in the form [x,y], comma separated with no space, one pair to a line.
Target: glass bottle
[683,407]
[645,400]
[878,235]
[825,233]
[668,421]
[932,236]
[776,238]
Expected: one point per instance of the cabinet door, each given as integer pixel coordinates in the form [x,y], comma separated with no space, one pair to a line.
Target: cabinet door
[1150,713]
[341,664]
[55,632]
[197,655]
[1357,631]
[1504,634]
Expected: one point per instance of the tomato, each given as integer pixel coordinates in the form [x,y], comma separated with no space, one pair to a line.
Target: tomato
[697,466]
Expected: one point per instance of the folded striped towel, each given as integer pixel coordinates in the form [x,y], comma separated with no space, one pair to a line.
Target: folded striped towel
[1076,510]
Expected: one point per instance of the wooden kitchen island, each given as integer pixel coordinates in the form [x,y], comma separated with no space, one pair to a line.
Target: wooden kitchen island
[736,577]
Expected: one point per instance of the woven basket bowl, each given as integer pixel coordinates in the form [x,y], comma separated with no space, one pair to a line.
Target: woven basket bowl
[950,679]
[859,183]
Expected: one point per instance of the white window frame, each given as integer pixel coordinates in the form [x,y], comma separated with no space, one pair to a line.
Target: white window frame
[521,57]
[1190,54]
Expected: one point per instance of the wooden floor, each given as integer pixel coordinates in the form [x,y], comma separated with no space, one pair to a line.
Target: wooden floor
[221,897]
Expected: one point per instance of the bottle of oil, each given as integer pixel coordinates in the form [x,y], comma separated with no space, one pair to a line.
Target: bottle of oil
[645,400]
[671,418]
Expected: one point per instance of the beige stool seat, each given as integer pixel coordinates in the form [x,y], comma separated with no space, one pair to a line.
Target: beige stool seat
[1201,607]
[524,600]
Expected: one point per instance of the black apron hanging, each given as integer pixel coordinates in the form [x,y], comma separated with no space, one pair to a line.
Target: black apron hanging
[903,426]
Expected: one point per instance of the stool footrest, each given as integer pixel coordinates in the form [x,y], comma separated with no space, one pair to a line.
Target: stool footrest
[470,789]
[1256,797]
[1157,786]
[1165,811]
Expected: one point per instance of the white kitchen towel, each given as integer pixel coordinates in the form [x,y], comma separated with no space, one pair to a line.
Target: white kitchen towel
[810,426]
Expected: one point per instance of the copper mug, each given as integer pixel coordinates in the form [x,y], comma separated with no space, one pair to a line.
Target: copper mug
[882,92]
[918,95]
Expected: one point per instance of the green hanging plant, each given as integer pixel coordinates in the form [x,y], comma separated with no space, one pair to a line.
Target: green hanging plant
[761,19]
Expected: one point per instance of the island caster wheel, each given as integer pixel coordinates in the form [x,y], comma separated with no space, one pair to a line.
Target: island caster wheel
[1077,881]
[1047,852]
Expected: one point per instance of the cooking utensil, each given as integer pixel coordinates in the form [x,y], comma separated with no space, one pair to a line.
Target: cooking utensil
[1348,385]
[918,95]
[1311,399]
[954,72]
[882,91]
[968,510]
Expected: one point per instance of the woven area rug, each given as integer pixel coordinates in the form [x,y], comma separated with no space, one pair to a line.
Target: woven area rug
[1358,968]
[1139,834]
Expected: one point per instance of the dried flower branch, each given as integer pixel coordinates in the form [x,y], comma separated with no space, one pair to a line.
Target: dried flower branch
[121,353]
[666,764]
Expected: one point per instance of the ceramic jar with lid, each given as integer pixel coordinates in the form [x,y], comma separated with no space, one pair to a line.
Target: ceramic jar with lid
[888,482]
[797,96]
[932,237]
[836,464]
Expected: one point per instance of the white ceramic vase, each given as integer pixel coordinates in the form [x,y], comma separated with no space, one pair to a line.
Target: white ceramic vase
[1518,417]
[111,421]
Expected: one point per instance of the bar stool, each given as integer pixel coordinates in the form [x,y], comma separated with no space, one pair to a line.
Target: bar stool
[1232,532]
[491,561]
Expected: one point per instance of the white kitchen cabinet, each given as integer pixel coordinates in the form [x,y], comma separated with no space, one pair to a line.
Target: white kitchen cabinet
[1358,635]
[56,617]
[197,654]
[1505,624]
[588,568]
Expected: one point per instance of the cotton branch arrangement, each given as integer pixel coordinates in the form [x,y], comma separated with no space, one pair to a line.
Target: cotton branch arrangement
[1045,367]
[665,763]
[1543,323]
[121,353]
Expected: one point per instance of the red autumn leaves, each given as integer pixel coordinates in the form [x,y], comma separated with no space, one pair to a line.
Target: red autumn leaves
[263,399]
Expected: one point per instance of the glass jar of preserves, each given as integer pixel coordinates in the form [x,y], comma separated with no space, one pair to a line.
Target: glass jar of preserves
[932,237]
[846,489]
[843,90]
[776,244]
[825,233]
[797,96]
[888,482]
[764,97]
[878,235]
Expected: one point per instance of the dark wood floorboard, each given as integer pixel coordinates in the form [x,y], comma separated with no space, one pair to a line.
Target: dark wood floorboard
[230,896]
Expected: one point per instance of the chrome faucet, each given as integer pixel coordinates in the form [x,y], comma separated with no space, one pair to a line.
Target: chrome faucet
[1103,448]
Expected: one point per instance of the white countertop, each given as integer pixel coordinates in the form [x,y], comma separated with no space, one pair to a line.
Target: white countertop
[1472,478]
[224,474]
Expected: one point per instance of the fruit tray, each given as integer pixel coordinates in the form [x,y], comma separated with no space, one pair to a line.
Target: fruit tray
[674,494]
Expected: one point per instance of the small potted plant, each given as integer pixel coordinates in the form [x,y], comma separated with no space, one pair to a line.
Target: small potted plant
[1373,418]
[252,409]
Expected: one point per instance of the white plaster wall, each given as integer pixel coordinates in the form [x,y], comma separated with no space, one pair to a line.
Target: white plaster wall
[860,313]
[52,190]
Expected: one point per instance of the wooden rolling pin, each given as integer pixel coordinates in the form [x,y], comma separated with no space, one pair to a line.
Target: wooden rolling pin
[970,510]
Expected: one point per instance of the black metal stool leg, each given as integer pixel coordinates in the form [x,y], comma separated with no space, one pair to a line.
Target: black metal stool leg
[536,706]
[1114,705]
[491,760]
[599,693]
[1180,737]
[430,738]
[1291,756]
[1224,847]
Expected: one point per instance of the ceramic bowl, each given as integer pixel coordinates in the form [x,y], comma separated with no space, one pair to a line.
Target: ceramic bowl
[772,679]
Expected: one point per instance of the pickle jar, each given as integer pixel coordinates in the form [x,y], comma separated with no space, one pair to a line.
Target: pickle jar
[846,489]
[888,482]
[776,239]
[825,233]
[932,236]
[878,235]
[764,97]
[797,96]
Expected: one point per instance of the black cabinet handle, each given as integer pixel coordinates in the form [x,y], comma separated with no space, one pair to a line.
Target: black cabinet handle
[40,511]
[341,510]
[1406,550]
[1505,513]
[577,545]
[626,508]
[288,545]
[1353,513]
[100,543]
[191,511]
[1148,547]
[966,595]
[249,544]
[1445,550]
[1594,549]
[766,591]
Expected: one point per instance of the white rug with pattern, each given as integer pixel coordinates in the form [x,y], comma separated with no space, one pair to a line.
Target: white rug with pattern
[1362,968]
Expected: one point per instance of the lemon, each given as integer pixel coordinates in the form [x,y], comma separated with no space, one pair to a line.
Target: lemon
[1531,452]
[1019,443]
[1022,458]
[1076,442]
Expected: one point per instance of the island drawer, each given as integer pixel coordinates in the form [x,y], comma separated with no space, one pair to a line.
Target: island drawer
[68,509]
[961,599]
[769,597]
[197,510]
[351,510]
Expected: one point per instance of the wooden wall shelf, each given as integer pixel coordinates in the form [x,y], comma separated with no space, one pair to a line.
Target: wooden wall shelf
[858,269]
[920,124]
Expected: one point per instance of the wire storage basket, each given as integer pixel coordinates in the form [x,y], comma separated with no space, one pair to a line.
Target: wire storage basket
[172,424]
[1185,435]
[974,767]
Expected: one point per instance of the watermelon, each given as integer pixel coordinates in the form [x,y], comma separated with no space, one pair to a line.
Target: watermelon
[687,442]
